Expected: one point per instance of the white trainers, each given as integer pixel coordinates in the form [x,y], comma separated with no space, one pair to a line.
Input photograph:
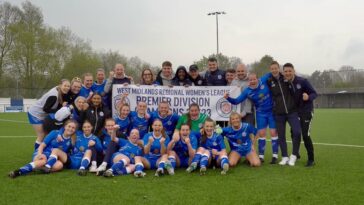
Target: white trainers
[139,174]
[284,161]
[159,172]
[101,168]
[292,160]
[225,169]
[93,168]
[169,168]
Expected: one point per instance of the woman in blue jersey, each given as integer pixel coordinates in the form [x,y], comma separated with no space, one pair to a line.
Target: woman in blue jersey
[155,146]
[43,152]
[258,91]
[212,147]
[123,120]
[140,119]
[181,149]
[241,137]
[81,154]
[50,102]
[124,160]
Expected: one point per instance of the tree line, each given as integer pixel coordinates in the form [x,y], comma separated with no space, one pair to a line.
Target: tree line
[34,55]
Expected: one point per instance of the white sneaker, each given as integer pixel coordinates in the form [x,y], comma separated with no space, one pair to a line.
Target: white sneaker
[139,174]
[101,168]
[284,161]
[159,172]
[93,168]
[292,160]
[169,168]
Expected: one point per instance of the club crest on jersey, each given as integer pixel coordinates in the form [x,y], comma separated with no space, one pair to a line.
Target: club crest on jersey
[219,77]
[102,114]
[214,143]
[155,151]
[243,134]
[262,87]
[239,141]
[298,86]
[169,123]
[82,149]
[224,108]
[132,155]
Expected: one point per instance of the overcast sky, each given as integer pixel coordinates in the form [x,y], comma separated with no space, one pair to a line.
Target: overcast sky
[311,34]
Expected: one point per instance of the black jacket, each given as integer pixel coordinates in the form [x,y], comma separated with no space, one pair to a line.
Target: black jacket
[299,86]
[216,78]
[179,82]
[97,116]
[283,96]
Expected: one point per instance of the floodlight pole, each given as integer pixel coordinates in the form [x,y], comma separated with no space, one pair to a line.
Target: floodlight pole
[217,13]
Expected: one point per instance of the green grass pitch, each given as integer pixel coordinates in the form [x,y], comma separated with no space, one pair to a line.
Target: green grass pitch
[337,178]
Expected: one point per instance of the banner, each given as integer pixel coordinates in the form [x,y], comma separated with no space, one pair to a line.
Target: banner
[210,98]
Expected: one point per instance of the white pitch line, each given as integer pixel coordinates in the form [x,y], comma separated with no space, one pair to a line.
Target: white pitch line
[337,145]
[17,136]
[17,121]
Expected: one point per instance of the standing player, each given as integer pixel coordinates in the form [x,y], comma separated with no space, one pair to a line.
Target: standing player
[182,148]
[50,102]
[212,147]
[241,137]
[168,118]
[72,94]
[305,94]
[86,90]
[98,85]
[284,110]
[258,91]
[124,160]
[43,152]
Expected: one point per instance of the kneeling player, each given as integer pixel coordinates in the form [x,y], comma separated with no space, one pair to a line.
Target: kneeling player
[241,140]
[212,147]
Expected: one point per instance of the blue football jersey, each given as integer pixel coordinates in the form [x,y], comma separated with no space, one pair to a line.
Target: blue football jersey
[98,88]
[84,92]
[51,142]
[261,97]
[214,142]
[155,148]
[82,143]
[142,124]
[181,147]
[239,139]
[169,122]
[129,149]
[124,124]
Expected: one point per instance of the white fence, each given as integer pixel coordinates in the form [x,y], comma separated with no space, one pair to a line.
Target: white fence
[5,102]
